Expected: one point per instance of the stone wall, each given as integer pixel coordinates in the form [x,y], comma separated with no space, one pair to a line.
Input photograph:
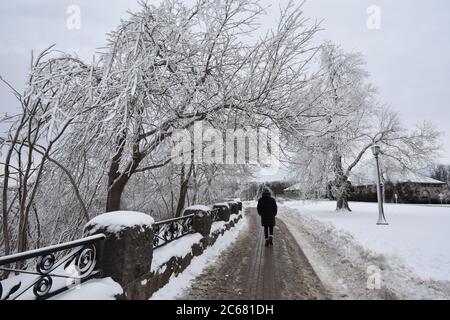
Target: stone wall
[126,253]
[177,265]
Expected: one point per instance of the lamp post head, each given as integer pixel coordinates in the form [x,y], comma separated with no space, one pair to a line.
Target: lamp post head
[376,150]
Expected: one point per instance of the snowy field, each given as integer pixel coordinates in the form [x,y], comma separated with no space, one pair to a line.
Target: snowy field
[418,236]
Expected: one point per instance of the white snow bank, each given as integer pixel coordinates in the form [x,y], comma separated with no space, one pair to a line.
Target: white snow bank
[118,220]
[182,246]
[176,286]
[95,289]
[219,225]
[233,199]
[249,203]
[198,207]
[25,280]
[222,204]
[234,216]
[417,236]
[177,248]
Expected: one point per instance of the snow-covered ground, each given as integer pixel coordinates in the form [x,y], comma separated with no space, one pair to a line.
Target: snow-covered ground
[95,289]
[413,248]
[177,248]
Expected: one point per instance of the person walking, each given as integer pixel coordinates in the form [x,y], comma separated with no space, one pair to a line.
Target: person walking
[267,209]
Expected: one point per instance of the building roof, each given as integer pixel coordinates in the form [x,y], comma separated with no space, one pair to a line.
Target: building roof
[295,187]
[403,177]
[360,180]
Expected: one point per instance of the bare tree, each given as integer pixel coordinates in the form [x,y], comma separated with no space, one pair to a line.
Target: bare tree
[53,98]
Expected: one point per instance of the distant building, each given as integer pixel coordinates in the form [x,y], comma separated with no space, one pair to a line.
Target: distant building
[294,190]
[297,191]
[408,187]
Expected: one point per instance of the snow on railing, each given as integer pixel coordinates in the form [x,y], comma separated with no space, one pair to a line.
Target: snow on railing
[169,230]
[172,229]
[57,269]
[61,267]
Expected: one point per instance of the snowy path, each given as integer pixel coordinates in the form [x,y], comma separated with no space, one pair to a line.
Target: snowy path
[249,270]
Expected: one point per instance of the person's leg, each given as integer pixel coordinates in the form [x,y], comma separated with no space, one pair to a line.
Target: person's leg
[271,235]
[266,235]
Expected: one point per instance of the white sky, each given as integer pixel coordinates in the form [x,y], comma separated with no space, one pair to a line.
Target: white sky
[408,58]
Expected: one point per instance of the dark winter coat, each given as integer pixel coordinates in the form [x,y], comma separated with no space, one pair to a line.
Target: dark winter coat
[267,209]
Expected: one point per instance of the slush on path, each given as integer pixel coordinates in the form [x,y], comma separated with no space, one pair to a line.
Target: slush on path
[250,270]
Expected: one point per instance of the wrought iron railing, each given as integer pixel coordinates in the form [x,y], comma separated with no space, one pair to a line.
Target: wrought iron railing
[43,273]
[56,269]
[169,230]
[215,214]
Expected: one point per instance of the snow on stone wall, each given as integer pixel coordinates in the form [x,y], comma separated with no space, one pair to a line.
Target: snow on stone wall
[116,221]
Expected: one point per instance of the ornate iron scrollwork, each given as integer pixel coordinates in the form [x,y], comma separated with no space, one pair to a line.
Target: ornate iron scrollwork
[85,260]
[45,263]
[169,230]
[74,260]
[215,214]
[42,286]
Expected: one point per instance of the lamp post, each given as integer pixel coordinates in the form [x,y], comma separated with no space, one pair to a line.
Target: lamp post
[381,218]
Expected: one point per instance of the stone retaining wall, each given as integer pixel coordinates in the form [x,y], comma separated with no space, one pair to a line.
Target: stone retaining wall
[126,253]
[177,265]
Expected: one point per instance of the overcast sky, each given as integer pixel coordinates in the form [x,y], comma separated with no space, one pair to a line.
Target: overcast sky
[408,57]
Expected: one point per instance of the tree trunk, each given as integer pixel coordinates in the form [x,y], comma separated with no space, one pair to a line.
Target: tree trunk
[115,195]
[196,187]
[342,202]
[5,228]
[184,182]
[22,245]
[38,227]
[342,192]
[116,180]
[5,208]
[181,200]
[341,185]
